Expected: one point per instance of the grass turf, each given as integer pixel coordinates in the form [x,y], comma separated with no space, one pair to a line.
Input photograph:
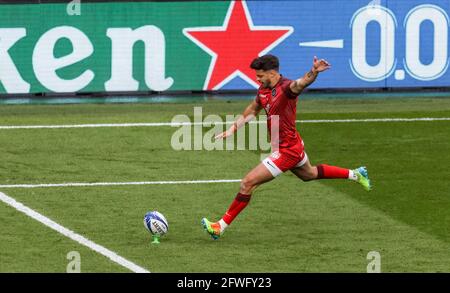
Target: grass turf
[289,226]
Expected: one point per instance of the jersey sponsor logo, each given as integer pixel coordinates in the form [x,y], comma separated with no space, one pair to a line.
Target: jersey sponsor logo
[274,92]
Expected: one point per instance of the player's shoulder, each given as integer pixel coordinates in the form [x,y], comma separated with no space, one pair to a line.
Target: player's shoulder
[286,87]
[285,81]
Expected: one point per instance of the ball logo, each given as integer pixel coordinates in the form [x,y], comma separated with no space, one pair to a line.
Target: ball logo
[156,223]
[158,228]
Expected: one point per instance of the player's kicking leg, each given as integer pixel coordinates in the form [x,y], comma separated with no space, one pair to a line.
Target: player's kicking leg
[306,172]
[259,175]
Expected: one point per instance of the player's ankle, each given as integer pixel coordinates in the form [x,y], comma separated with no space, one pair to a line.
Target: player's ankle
[352,175]
[223,225]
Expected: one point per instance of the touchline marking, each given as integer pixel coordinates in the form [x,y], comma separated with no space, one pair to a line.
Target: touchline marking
[178,124]
[72,235]
[82,184]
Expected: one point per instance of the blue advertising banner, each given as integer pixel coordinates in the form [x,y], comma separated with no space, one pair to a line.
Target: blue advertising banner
[380,43]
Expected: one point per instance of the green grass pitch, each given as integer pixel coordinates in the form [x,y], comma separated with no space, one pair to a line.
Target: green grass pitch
[289,225]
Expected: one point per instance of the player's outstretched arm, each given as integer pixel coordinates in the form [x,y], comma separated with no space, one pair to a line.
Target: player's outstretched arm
[300,84]
[250,112]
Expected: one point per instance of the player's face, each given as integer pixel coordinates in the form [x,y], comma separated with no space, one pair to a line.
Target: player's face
[265,78]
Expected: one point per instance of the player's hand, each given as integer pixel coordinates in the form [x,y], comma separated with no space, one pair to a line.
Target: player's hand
[225,134]
[320,65]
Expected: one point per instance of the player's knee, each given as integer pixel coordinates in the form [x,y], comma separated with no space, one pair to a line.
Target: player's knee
[306,178]
[309,175]
[247,185]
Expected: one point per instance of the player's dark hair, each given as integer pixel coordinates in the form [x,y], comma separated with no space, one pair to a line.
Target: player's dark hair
[266,62]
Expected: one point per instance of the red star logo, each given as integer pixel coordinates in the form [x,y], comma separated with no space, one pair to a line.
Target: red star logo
[234,45]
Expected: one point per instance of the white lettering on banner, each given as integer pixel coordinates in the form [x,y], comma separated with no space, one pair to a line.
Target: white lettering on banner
[413,21]
[9,75]
[412,62]
[45,64]
[74,8]
[123,40]
[387,23]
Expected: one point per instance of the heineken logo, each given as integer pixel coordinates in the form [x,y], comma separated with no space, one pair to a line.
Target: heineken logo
[45,65]
[90,53]
[208,45]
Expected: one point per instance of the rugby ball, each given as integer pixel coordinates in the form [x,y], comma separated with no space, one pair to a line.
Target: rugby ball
[156,223]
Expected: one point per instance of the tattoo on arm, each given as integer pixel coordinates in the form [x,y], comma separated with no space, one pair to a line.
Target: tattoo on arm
[310,77]
[305,81]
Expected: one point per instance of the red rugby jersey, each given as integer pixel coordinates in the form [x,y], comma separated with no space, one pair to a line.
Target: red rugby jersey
[280,102]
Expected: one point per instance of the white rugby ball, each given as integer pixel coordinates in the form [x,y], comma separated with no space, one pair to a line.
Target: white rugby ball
[156,223]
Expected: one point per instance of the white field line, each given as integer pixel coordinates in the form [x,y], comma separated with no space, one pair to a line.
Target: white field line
[178,124]
[72,235]
[81,184]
